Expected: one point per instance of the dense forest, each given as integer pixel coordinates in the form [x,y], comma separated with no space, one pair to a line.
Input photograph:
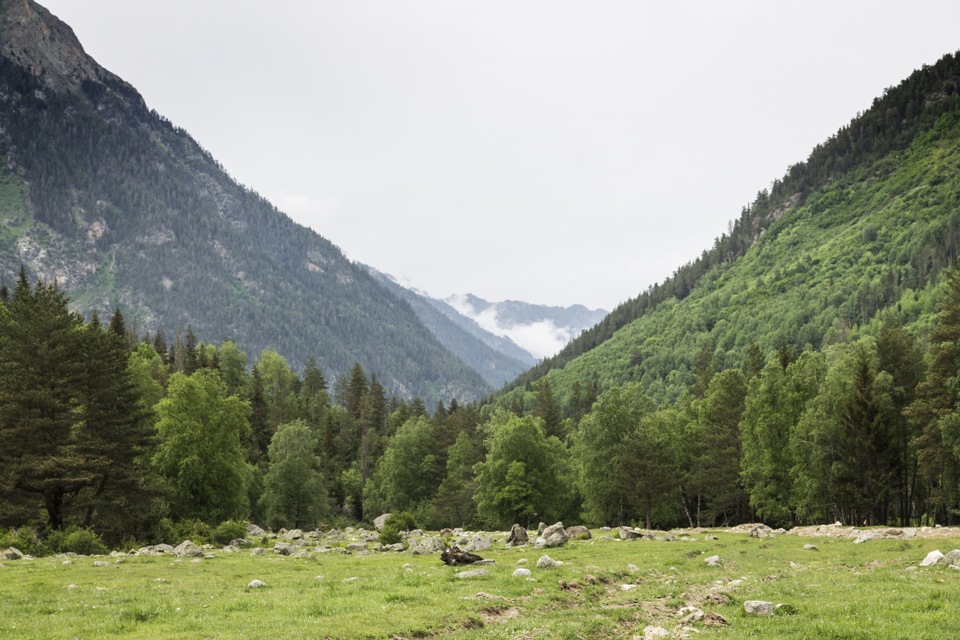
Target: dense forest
[132,439]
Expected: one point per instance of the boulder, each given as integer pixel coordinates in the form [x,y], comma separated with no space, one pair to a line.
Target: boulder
[517,537]
[187,549]
[541,528]
[932,558]
[553,536]
[477,543]
[427,545]
[626,533]
[651,632]
[521,573]
[546,562]
[690,614]
[11,553]
[381,520]
[473,573]
[284,548]
[759,608]
[357,547]
[254,530]
[391,547]
[578,532]
[713,561]
[256,584]
[810,547]
[292,534]
[256,551]
[760,531]
[952,558]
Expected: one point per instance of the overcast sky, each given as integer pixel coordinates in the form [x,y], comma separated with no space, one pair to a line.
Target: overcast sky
[548,151]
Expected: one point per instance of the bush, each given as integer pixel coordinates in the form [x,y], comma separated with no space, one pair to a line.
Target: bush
[197,531]
[83,542]
[228,531]
[23,539]
[396,523]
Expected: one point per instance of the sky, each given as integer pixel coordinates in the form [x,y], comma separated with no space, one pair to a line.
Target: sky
[548,151]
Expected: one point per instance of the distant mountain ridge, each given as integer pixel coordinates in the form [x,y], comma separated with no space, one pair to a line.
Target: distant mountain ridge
[123,209]
[540,329]
[487,354]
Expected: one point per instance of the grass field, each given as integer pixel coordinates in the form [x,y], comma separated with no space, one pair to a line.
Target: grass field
[842,590]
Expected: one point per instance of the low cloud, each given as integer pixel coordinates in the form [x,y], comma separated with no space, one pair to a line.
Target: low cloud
[542,338]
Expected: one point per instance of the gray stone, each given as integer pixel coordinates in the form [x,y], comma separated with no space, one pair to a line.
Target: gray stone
[690,614]
[101,563]
[553,536]
[256,551]
[760,531]
[187,549]
[713,561]
[473,573]
[478,543]
[517,537]
[578,532]
[932,558]
[632,568]
[394,547]
[546,562]
[811,547]
[254,530]
[651,632]
[521,573]
[759,608]
[11,553]
[292,534]
[381,520]
[355,547]
[541,528]
[284,548]
[256,584]
[626,533]
[952,558]
[423,546]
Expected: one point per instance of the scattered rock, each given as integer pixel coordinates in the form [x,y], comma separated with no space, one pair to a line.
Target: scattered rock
[254,530]
[284,548]
[710,537]
[478,543]
[101,563]
[522,561]
[759,608]
[866,536]
[187,549]
[196,561]
[626,533]
[357,547]
[379,521]
[713,561]
[389,547]
[256,584]
[541,528]
[952,558]
[690,614]
[521,573]
[428,545]
[546,562]
[651,632]
[256,551]
[11,553]
[632,568]
[517,537]
[932,558]
[473,573]
[811,547]
[628,587]
[713,619]
[553,536]
[761,531]
[71,587]
[578,532]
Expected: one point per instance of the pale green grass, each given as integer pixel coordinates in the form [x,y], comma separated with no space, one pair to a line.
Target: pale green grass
[841,591]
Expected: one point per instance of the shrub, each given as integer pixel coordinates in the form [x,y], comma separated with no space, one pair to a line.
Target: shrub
[83,542]
[197,531]
[24,539]
[396,523]
[229,530]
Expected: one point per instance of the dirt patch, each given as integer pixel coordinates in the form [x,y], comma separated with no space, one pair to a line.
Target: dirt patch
[496,614]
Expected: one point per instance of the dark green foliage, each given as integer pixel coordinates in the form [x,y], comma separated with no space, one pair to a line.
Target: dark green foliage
[394,527]
[228,531]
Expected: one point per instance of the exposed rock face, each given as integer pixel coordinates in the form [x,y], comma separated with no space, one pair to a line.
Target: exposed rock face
[517,537]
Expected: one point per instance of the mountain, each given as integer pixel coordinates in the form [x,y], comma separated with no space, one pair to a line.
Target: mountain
[124,209]
[539,329]
[471,344]
[856,234]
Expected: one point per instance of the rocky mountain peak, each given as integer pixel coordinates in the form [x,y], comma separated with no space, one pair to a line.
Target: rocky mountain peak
[35,39]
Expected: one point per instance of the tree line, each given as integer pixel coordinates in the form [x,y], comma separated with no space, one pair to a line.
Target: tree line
[129,436]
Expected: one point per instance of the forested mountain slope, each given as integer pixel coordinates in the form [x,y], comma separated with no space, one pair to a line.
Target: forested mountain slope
[864,225]
[472,347]
[123,209]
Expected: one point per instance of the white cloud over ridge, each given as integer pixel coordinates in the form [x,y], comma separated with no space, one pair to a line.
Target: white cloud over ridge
[542,338]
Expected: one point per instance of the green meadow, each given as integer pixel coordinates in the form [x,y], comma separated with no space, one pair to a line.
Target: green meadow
[840,590]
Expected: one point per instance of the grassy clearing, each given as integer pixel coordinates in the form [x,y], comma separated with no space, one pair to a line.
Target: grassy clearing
[842,590]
